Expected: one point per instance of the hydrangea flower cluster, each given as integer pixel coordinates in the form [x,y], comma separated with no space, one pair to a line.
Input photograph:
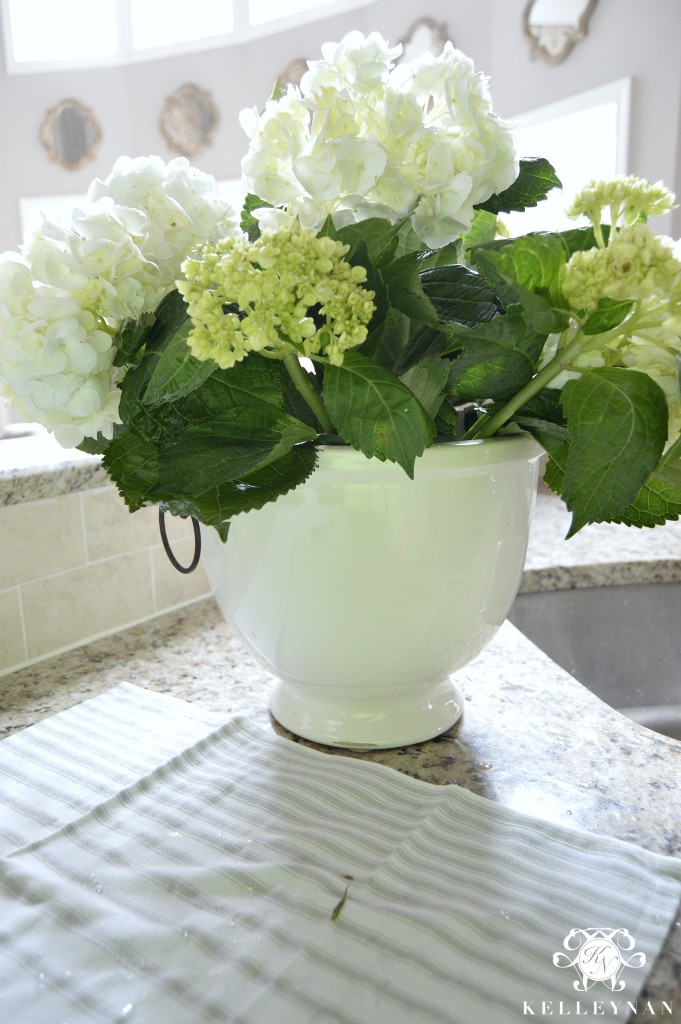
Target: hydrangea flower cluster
[63,300]
[283,284]
[628,198]
[362,137]
[634,265]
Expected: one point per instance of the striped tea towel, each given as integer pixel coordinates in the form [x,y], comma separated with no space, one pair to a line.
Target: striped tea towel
[243,878]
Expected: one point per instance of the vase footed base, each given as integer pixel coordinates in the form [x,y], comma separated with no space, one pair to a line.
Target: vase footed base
[380,719]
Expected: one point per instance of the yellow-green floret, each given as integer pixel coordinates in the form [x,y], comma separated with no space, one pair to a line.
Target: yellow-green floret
[288,292]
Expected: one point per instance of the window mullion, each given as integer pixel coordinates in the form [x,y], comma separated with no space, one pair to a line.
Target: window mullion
[242,18]
[124,19]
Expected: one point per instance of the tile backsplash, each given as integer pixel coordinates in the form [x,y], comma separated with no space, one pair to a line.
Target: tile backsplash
[78,566]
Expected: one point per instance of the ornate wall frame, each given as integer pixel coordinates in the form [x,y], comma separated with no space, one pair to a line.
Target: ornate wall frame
[189,119]
[71,134]
[554,42]
[425,35]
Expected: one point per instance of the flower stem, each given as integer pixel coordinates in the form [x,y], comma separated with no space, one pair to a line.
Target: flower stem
[307,392]
[486,426]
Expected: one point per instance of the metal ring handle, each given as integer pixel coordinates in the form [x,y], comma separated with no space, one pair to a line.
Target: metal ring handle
[166,545]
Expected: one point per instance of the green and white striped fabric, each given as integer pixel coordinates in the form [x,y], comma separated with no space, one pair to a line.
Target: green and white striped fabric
[162,868]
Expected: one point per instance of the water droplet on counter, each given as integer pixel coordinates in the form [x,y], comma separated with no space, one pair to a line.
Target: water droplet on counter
[125,1012]
[41,981]
[484,765]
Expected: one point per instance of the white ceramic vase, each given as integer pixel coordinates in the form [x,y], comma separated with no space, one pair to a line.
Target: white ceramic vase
[361,591]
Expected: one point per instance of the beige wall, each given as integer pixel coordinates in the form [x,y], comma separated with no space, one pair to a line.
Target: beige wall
[626,38]
[80,566]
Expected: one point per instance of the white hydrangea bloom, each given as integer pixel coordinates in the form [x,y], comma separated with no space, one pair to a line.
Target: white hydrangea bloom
[374,139]
[62,302]
[55,361]
[182,206]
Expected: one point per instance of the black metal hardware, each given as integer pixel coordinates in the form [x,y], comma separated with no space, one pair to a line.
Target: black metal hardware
[166,545]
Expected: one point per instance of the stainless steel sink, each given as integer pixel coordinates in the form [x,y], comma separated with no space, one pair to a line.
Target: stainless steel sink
[622,642]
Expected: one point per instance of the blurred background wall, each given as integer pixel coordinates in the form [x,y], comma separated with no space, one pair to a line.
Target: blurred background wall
[625,39]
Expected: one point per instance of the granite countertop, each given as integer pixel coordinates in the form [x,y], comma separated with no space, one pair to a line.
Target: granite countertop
[36,467]
[531,737]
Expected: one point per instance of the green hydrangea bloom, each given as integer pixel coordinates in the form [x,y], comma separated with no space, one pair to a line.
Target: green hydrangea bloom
[628,198]
[280,289]
[635,265]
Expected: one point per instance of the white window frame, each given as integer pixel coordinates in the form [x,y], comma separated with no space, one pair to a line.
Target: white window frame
[617,93]
[126,54]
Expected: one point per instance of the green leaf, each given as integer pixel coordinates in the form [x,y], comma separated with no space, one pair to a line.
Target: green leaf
[669,468]
[545,405]
[409,241]
[535,180]
[617,420]
[216,506]
[379,236]
[255,379]
[177,371]
[609,313]
[656,503]
[248,223]
[131,337]
[448,256]
[278,90]
[93,445]
[226,448]
[558,451]
[174,470]
[403,278]
[171,314]
[459,295]
[398,343]
[543,417]
[132,463]
[483,229]
[497,359]
[526,270]
[376,413]
[427,380]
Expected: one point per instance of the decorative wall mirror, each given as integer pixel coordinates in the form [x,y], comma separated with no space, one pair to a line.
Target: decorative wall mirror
[425,35]
[189,119]
[555,26]
[70,134]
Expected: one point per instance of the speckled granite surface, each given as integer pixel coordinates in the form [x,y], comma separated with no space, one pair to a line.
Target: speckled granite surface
[531,737]
[36,467]
[603,554]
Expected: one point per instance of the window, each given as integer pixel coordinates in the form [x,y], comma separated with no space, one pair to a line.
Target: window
[180,22]
[41,29]
[43,35]
[584,136]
